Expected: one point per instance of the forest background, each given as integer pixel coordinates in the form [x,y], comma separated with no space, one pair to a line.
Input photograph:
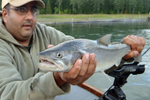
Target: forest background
[92,10]
[95,7]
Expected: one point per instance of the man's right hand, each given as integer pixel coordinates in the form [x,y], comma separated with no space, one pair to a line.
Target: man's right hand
[81,71]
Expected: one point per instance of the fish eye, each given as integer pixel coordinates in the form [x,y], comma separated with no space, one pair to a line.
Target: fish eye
[59,55]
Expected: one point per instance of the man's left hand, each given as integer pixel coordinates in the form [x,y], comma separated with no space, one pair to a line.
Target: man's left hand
[137,44]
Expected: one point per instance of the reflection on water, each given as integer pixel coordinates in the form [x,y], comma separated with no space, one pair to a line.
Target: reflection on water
[138,86]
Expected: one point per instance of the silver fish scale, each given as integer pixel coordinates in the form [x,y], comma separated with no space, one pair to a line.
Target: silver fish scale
[106,56]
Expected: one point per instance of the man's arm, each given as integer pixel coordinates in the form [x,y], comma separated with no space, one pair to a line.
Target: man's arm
[17,81]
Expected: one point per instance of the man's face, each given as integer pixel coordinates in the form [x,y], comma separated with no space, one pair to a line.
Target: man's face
[20,26]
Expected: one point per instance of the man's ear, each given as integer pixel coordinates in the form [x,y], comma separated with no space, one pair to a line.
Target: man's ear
[4,15]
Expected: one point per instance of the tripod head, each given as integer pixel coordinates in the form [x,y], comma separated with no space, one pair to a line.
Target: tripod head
[121,74]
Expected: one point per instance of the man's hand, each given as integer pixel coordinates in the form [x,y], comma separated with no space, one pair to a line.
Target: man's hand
[137,44]
[81,71]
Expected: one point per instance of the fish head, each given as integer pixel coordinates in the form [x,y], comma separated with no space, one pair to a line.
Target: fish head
[58,60]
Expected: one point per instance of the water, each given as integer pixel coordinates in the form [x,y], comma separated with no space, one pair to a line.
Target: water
[138,86]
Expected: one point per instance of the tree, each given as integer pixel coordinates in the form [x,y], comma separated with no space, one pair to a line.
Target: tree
[66,7]
[48,8]
[146,5]
[96,6]
[76,4]
[73,3]
[122,6]
[108,7]
[140,6]
[132,6]
[117,5]
[0,4]
[58,3]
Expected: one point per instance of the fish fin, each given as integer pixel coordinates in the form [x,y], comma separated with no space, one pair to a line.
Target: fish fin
[118,63]
[105,40]
[82,51]
[122,41]
[138,58]
[106,76]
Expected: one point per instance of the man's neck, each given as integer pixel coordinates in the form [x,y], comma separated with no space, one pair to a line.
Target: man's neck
[25,42]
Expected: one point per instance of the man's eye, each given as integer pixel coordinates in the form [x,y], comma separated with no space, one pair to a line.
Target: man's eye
[22,9]
[34,10]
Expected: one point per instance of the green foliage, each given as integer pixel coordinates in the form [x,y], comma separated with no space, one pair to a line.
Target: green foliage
[0,5]
[58,3]
[55,10]
[112,12]
[48,8]
[66,11]
[95,6]
[43,11]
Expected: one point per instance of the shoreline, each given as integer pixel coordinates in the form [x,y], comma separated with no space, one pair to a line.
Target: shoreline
[89,18]
[95,21]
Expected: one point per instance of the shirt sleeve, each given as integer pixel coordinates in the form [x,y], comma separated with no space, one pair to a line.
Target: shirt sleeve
[45,84]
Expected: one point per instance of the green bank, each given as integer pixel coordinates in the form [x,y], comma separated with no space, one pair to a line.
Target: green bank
[54,18]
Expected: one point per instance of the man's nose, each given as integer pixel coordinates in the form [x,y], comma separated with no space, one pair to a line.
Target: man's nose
[29,15]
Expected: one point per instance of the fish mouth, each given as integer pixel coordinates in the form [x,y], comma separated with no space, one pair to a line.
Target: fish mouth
[48,64]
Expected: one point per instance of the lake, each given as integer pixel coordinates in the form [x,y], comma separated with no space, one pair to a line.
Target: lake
[138,86]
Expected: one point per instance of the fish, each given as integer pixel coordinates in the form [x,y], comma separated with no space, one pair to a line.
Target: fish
[61,57]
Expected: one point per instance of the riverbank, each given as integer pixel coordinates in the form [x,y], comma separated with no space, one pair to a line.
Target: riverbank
[81,18]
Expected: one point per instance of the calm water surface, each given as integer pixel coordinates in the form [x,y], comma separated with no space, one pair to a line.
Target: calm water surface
[138,86]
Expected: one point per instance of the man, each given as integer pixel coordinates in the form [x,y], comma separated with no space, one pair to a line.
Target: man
[22,38]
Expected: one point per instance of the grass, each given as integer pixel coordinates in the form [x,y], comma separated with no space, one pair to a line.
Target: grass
[53,18]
